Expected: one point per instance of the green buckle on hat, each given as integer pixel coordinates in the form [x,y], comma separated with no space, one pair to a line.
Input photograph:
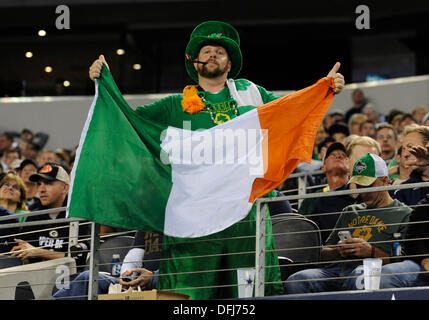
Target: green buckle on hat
[215,35]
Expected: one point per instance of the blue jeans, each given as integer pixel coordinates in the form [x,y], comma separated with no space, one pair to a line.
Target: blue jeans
[390,278]
[78,288]
[325,279]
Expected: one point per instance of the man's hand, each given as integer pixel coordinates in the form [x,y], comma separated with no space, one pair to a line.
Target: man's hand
[421,155]
[24,250]
[95,69]
[143,280]
[338,78]
[356,247]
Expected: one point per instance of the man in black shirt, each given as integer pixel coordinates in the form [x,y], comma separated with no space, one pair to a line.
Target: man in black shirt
[48,241]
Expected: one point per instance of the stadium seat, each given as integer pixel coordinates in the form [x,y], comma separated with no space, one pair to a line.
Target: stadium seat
[116,245]
[298,241]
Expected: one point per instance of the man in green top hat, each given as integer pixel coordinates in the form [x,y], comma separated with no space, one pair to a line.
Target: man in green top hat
[213,60]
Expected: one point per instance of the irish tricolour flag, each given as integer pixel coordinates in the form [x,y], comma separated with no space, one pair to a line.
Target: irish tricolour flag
[134,173]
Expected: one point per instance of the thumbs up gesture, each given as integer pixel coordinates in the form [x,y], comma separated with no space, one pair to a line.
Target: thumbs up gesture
[338,78]
[95,69]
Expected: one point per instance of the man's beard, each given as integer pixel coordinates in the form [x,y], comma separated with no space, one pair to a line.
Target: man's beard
[204,72]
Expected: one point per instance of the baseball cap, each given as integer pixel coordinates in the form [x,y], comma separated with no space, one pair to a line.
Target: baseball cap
[51,171]
[367,169]
[28,161]
[335,146]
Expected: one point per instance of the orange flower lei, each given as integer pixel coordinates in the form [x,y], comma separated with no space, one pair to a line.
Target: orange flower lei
[191,102]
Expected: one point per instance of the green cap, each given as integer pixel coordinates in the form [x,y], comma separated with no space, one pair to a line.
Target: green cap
[367,169]
[216,33]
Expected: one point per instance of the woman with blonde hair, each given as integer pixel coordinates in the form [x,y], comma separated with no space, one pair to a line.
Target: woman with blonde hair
[13,193]
[355,122]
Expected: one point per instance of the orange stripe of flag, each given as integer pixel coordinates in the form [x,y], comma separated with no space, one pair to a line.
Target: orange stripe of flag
[291,123]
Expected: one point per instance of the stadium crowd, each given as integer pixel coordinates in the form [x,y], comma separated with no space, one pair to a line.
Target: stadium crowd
[34,178]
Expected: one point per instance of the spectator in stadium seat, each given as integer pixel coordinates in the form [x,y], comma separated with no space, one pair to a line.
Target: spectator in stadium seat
[393,114]
[406,120]
[13,193]
[8,157]
[359,146]
[370,230]
[418,114]
[47,241]
[398,173]
[415,140]
[12,200]
[336,168]
[307,205]
[338,131]
[27,168]
[425,120]
[411,272]
[30,151]
[387,136]
[359,101]
[395,122]
[355,123]
[331,118]
[321,134]
[45,156]
[6,142]
[367,128]
[323,146]
[147,246]
[372,114]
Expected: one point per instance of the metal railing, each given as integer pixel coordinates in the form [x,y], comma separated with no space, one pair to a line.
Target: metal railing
[96,237]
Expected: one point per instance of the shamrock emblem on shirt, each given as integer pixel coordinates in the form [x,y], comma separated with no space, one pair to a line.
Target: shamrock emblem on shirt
[222,117]
[364,233]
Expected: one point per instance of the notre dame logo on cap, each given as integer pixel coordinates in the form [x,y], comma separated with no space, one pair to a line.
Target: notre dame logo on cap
[360,166]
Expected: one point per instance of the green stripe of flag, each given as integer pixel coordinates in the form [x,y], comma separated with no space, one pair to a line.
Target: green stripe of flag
[118,179]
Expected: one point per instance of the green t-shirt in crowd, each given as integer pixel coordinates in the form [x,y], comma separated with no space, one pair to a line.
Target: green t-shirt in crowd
[373,225]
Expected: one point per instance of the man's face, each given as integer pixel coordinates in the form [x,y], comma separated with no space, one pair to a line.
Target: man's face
[218,62]
[410,140]
[368,129]
[5,143]
[46,156]
[357,97]
[405,122]
[10,157]
[373,199]
[386,138]
[52,193]
[337,162]
[419,114]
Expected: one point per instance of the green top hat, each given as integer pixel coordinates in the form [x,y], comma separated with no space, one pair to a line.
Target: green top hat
[216,33]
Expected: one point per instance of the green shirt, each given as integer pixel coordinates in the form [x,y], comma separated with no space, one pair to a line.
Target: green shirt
[373,225]
[168,110]
[22,219]
[394,176]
